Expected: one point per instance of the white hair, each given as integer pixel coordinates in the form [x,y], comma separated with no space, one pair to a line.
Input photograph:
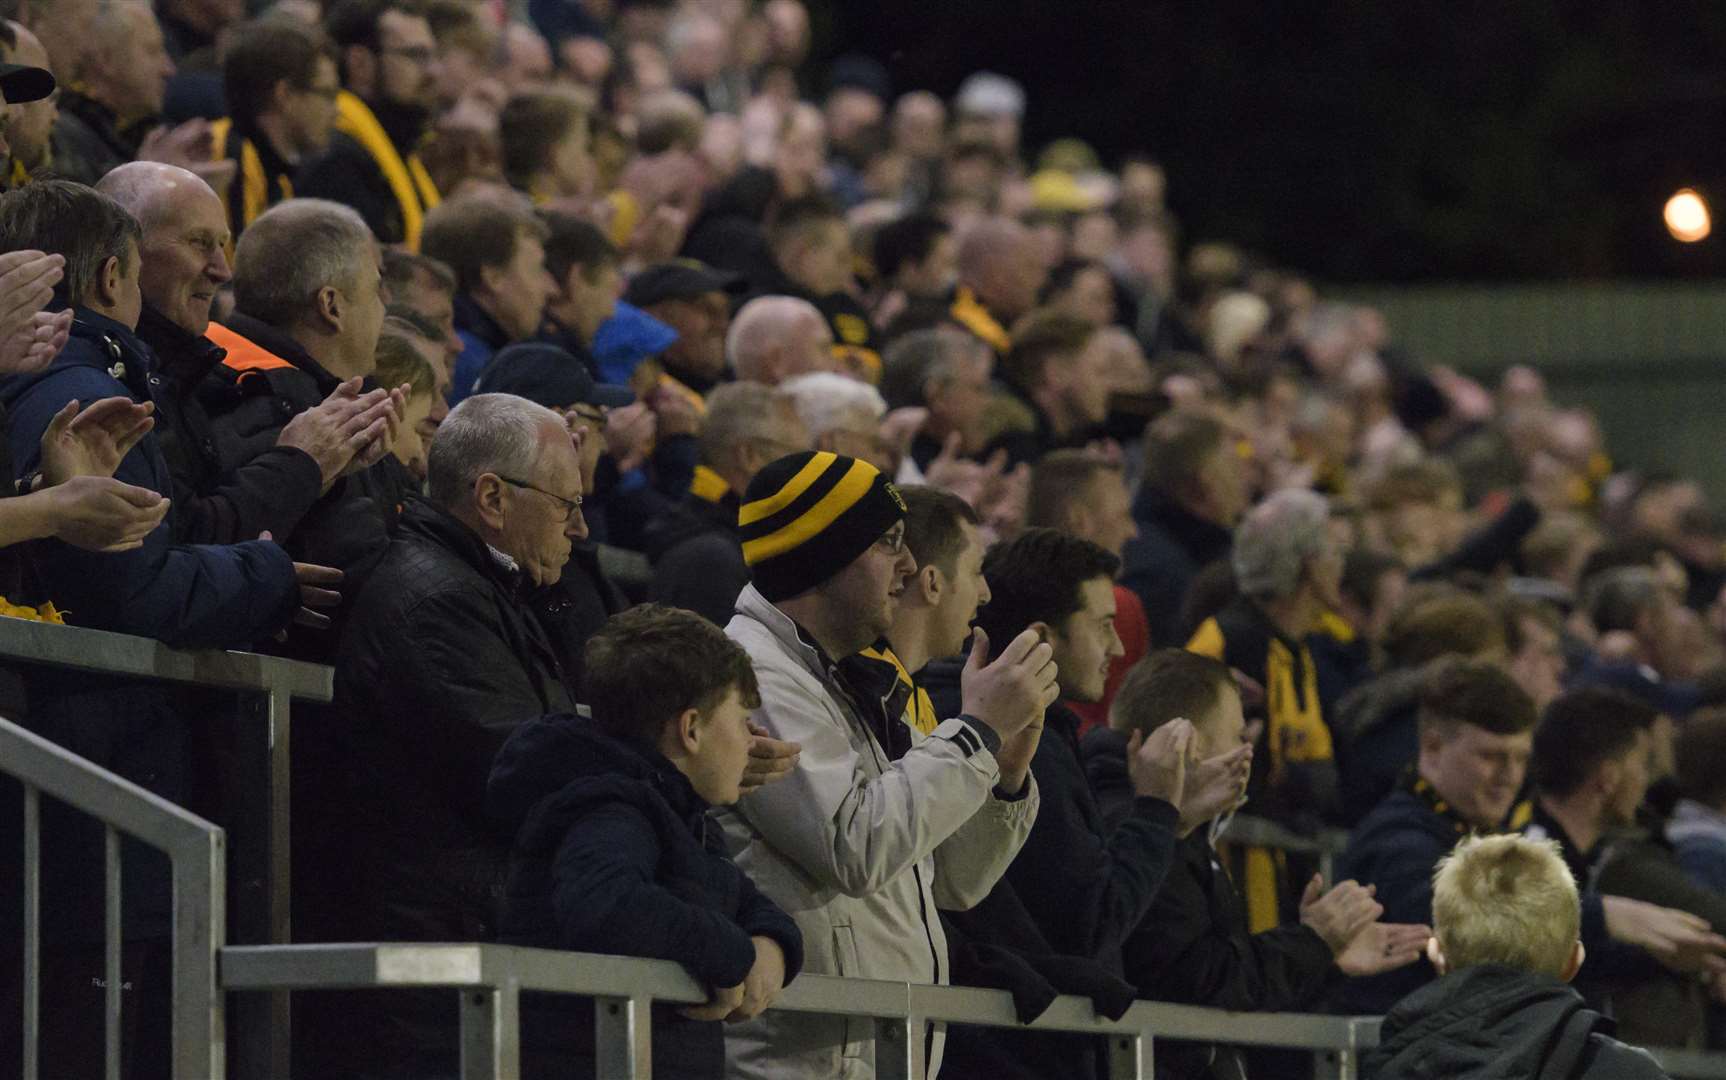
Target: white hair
[826,402]
[495,433]
[1275,538]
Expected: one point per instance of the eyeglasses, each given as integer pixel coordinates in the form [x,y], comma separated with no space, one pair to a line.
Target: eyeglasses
[571,507]
[893,543]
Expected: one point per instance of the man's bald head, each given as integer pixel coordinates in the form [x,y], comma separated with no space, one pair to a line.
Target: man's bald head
[776,337]
[184,247]
[999,261]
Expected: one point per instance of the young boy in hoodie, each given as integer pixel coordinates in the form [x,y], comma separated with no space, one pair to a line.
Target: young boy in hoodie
[1507,939]
[614,852]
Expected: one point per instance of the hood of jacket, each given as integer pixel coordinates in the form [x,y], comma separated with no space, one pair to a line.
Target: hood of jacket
[283,344]
[95,341]
[1371,704]
[1481,1023]
[555,766]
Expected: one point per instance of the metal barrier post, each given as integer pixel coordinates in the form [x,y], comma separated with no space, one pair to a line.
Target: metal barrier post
[1130,1057]
[491,1033]
[32,930]
[111,953]
[898,1048]
[623,1037]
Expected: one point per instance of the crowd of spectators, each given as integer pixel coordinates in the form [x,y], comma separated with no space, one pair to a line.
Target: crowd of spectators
[771,519]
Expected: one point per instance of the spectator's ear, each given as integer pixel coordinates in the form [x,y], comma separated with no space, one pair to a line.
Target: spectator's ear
[1442,966]
[1574,964]
[931,583]
[687,731]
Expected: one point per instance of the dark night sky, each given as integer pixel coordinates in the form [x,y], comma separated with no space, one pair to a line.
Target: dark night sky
[1367,140]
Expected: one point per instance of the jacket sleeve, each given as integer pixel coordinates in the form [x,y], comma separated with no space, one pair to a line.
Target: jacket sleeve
[272,492]
[1183,952]
[1088,891]
[185,595]
[758,914]
[972,860]
[606,901]
[844,829]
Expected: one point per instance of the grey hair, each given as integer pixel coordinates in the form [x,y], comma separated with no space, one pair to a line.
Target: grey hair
[294,249]
[486,433]
[1618,597]
[919,358]
[737,412]
[760,326]
[826,401]
[1275,538]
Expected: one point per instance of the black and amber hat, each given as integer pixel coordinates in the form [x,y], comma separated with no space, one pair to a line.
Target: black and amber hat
[808,516]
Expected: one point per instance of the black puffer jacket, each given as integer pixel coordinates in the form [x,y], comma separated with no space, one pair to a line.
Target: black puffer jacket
[440,662]
[614,853]
[1493,1023]
[217,502]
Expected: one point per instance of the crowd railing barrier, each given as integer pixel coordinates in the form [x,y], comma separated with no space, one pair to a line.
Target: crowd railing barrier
[258,821]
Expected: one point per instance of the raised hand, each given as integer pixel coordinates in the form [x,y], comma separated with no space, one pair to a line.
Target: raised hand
[1010,693]
[344,426]
[29,337]
[1215,786]
[1339,914]
[317,591]
[1157,765]
[92,441]
[1380,947]
[770,759]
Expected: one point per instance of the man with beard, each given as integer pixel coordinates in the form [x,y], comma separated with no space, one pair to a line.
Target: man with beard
[389,65]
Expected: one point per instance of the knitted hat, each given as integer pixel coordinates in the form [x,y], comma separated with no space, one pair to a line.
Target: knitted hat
[808,516]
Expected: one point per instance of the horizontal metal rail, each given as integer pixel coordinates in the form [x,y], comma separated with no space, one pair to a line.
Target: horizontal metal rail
[195,852]
[260,821]
[626,986]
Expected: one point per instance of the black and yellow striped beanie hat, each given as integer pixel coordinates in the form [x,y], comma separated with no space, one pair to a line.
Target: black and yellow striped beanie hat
[808,516]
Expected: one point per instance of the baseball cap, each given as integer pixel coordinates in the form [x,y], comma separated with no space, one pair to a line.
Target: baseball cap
[549,376]
[680,279]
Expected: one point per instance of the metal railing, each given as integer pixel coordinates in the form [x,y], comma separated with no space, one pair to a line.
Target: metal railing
[258,824]
[491,978]
[195,853]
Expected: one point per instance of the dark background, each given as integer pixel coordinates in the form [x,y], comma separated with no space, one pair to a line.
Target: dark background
[1369,141]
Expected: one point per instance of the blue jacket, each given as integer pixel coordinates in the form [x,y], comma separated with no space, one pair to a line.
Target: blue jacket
[614,853]
[481,338]
[187,595]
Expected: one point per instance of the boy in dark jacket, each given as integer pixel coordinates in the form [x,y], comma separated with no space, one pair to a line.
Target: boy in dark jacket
[614,852]
[1507,938]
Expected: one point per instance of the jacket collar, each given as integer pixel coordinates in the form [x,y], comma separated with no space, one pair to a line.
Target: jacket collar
[283,345]
[786,632]
[1199,538]
[185,356]
[428,521]
[131,359]
[477,321]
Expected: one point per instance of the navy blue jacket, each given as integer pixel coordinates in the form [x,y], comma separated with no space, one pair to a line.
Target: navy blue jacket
[615,853]
[193,596]
[1396,848]
[1161,562]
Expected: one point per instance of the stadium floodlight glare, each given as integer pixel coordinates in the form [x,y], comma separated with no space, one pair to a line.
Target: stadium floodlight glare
[1687,216]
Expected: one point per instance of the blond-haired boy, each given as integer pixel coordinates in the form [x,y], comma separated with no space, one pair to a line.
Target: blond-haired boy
[1506,941]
